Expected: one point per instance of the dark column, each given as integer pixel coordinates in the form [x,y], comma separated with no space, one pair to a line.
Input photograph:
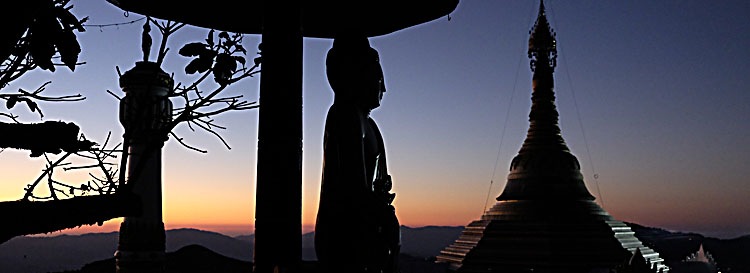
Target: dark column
[278,211]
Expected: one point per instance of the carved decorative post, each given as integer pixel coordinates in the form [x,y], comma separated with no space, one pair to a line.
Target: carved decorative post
[144,111]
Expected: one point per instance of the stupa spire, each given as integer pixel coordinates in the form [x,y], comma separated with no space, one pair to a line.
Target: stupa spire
[544,167]
[543,130]
[545,220]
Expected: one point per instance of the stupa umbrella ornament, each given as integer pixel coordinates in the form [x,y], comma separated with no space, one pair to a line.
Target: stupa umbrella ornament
[283,24]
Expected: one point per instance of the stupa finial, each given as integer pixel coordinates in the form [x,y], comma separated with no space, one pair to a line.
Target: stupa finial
[542,43]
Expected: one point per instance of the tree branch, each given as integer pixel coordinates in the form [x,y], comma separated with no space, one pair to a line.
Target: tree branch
[99,155]
[186,146]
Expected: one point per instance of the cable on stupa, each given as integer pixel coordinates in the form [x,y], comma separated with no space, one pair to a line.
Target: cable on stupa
[507,114]
[580,120]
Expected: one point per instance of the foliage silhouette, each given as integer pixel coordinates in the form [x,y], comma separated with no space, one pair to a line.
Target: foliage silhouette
[36,39]
[103,196]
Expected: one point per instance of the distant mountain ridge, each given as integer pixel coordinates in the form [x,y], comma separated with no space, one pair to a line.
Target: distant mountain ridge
[423,242]
[731,255]
[188,259]
[69,252]
[419,246]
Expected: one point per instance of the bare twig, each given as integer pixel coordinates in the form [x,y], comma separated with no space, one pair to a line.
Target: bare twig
[215,134]
[166,29]
[113,94]
[10,116]
[47,170]
[184,144]
[81,167]
[49,179]
[99,155]
[30,97]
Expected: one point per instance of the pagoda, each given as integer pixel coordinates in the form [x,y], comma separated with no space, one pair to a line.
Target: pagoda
[546,220]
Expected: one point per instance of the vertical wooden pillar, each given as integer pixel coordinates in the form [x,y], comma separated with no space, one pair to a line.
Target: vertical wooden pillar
[278,211]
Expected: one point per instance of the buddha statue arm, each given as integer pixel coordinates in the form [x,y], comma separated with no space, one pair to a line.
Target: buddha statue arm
[347,137]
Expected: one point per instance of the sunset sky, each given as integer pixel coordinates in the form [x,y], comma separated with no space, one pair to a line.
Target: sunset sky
[661,88]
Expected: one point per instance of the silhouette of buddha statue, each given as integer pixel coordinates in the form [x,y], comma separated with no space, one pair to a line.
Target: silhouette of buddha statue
[356,229]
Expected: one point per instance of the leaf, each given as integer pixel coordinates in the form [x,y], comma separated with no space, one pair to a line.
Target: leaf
[198,65]
[41,46]
[82,21]
[68,19]
[204,64]
[239,59]
[32,105]
[224,67]
[225,61]
[224,35]
[258,60]
[69,48]
[39,52]
[207,54]
[229,44]
[11,102]
[210,38]
[193,49]
[221,76]
[192,67]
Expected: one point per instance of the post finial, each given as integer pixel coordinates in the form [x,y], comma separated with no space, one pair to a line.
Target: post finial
[146,39]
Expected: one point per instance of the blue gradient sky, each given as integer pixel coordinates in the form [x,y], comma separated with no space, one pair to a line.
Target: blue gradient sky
[661,87]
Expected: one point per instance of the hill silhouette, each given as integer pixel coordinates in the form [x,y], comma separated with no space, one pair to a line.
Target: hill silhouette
[68,252]
[188,259]
[84,253]
[731,255]
[420,242]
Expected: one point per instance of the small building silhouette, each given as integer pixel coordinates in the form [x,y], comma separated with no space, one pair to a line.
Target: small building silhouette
[699,262]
